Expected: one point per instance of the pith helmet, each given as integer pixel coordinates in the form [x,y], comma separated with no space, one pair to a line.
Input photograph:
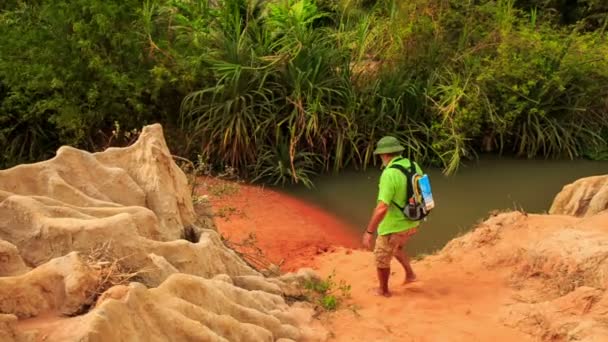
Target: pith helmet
[387,145]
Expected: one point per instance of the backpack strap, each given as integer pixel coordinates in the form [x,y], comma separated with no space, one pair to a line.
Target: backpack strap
[409,172]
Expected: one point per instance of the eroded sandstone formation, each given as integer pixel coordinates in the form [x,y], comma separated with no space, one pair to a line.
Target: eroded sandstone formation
[135,204]
[585,197]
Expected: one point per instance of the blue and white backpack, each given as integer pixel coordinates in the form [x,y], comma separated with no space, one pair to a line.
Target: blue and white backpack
[419,198]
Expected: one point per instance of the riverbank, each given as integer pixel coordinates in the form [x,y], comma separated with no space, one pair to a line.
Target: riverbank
[289,231]
[514,277]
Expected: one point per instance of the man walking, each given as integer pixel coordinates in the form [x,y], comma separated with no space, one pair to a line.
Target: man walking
[393,227]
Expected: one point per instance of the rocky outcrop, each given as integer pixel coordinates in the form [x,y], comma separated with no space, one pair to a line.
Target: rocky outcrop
[7,329]
[193,308]
[64,284]
[10,260]
[135,199]
[190,308]
[585,197]
[134,205]
[577,316]
[557,265]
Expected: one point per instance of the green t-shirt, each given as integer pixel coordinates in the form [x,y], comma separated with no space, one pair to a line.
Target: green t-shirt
[392,187]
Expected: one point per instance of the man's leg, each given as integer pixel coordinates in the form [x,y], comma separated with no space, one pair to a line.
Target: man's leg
[383,255]
[402,257]
[383,275]
[404,260]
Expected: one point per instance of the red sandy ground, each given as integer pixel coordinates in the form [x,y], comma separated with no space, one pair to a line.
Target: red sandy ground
[448,303]
[287,229]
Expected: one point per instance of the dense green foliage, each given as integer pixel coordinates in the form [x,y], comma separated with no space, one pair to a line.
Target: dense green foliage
[281,90]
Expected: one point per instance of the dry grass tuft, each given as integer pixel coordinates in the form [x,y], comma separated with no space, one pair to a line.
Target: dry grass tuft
[110,268]
[110,271]
[253,255]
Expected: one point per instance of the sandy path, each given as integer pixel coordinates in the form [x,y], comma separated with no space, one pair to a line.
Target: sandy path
[448,303]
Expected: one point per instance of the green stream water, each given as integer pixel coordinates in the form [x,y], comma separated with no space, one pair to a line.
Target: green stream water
[461,200]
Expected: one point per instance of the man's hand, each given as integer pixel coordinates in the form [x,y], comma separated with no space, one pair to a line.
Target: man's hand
[367,240]
[377,217]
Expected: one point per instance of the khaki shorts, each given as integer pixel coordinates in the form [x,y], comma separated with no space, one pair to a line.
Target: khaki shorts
[387,246]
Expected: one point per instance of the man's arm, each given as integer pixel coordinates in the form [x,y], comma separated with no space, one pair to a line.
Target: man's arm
[372,227]
[377,217]
[385,196]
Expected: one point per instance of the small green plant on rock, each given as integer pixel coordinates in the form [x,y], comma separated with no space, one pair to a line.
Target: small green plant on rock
[326,294]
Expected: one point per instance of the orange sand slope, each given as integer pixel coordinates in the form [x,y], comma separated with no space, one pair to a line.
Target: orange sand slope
[287,229]
[515,277]
[447,304]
